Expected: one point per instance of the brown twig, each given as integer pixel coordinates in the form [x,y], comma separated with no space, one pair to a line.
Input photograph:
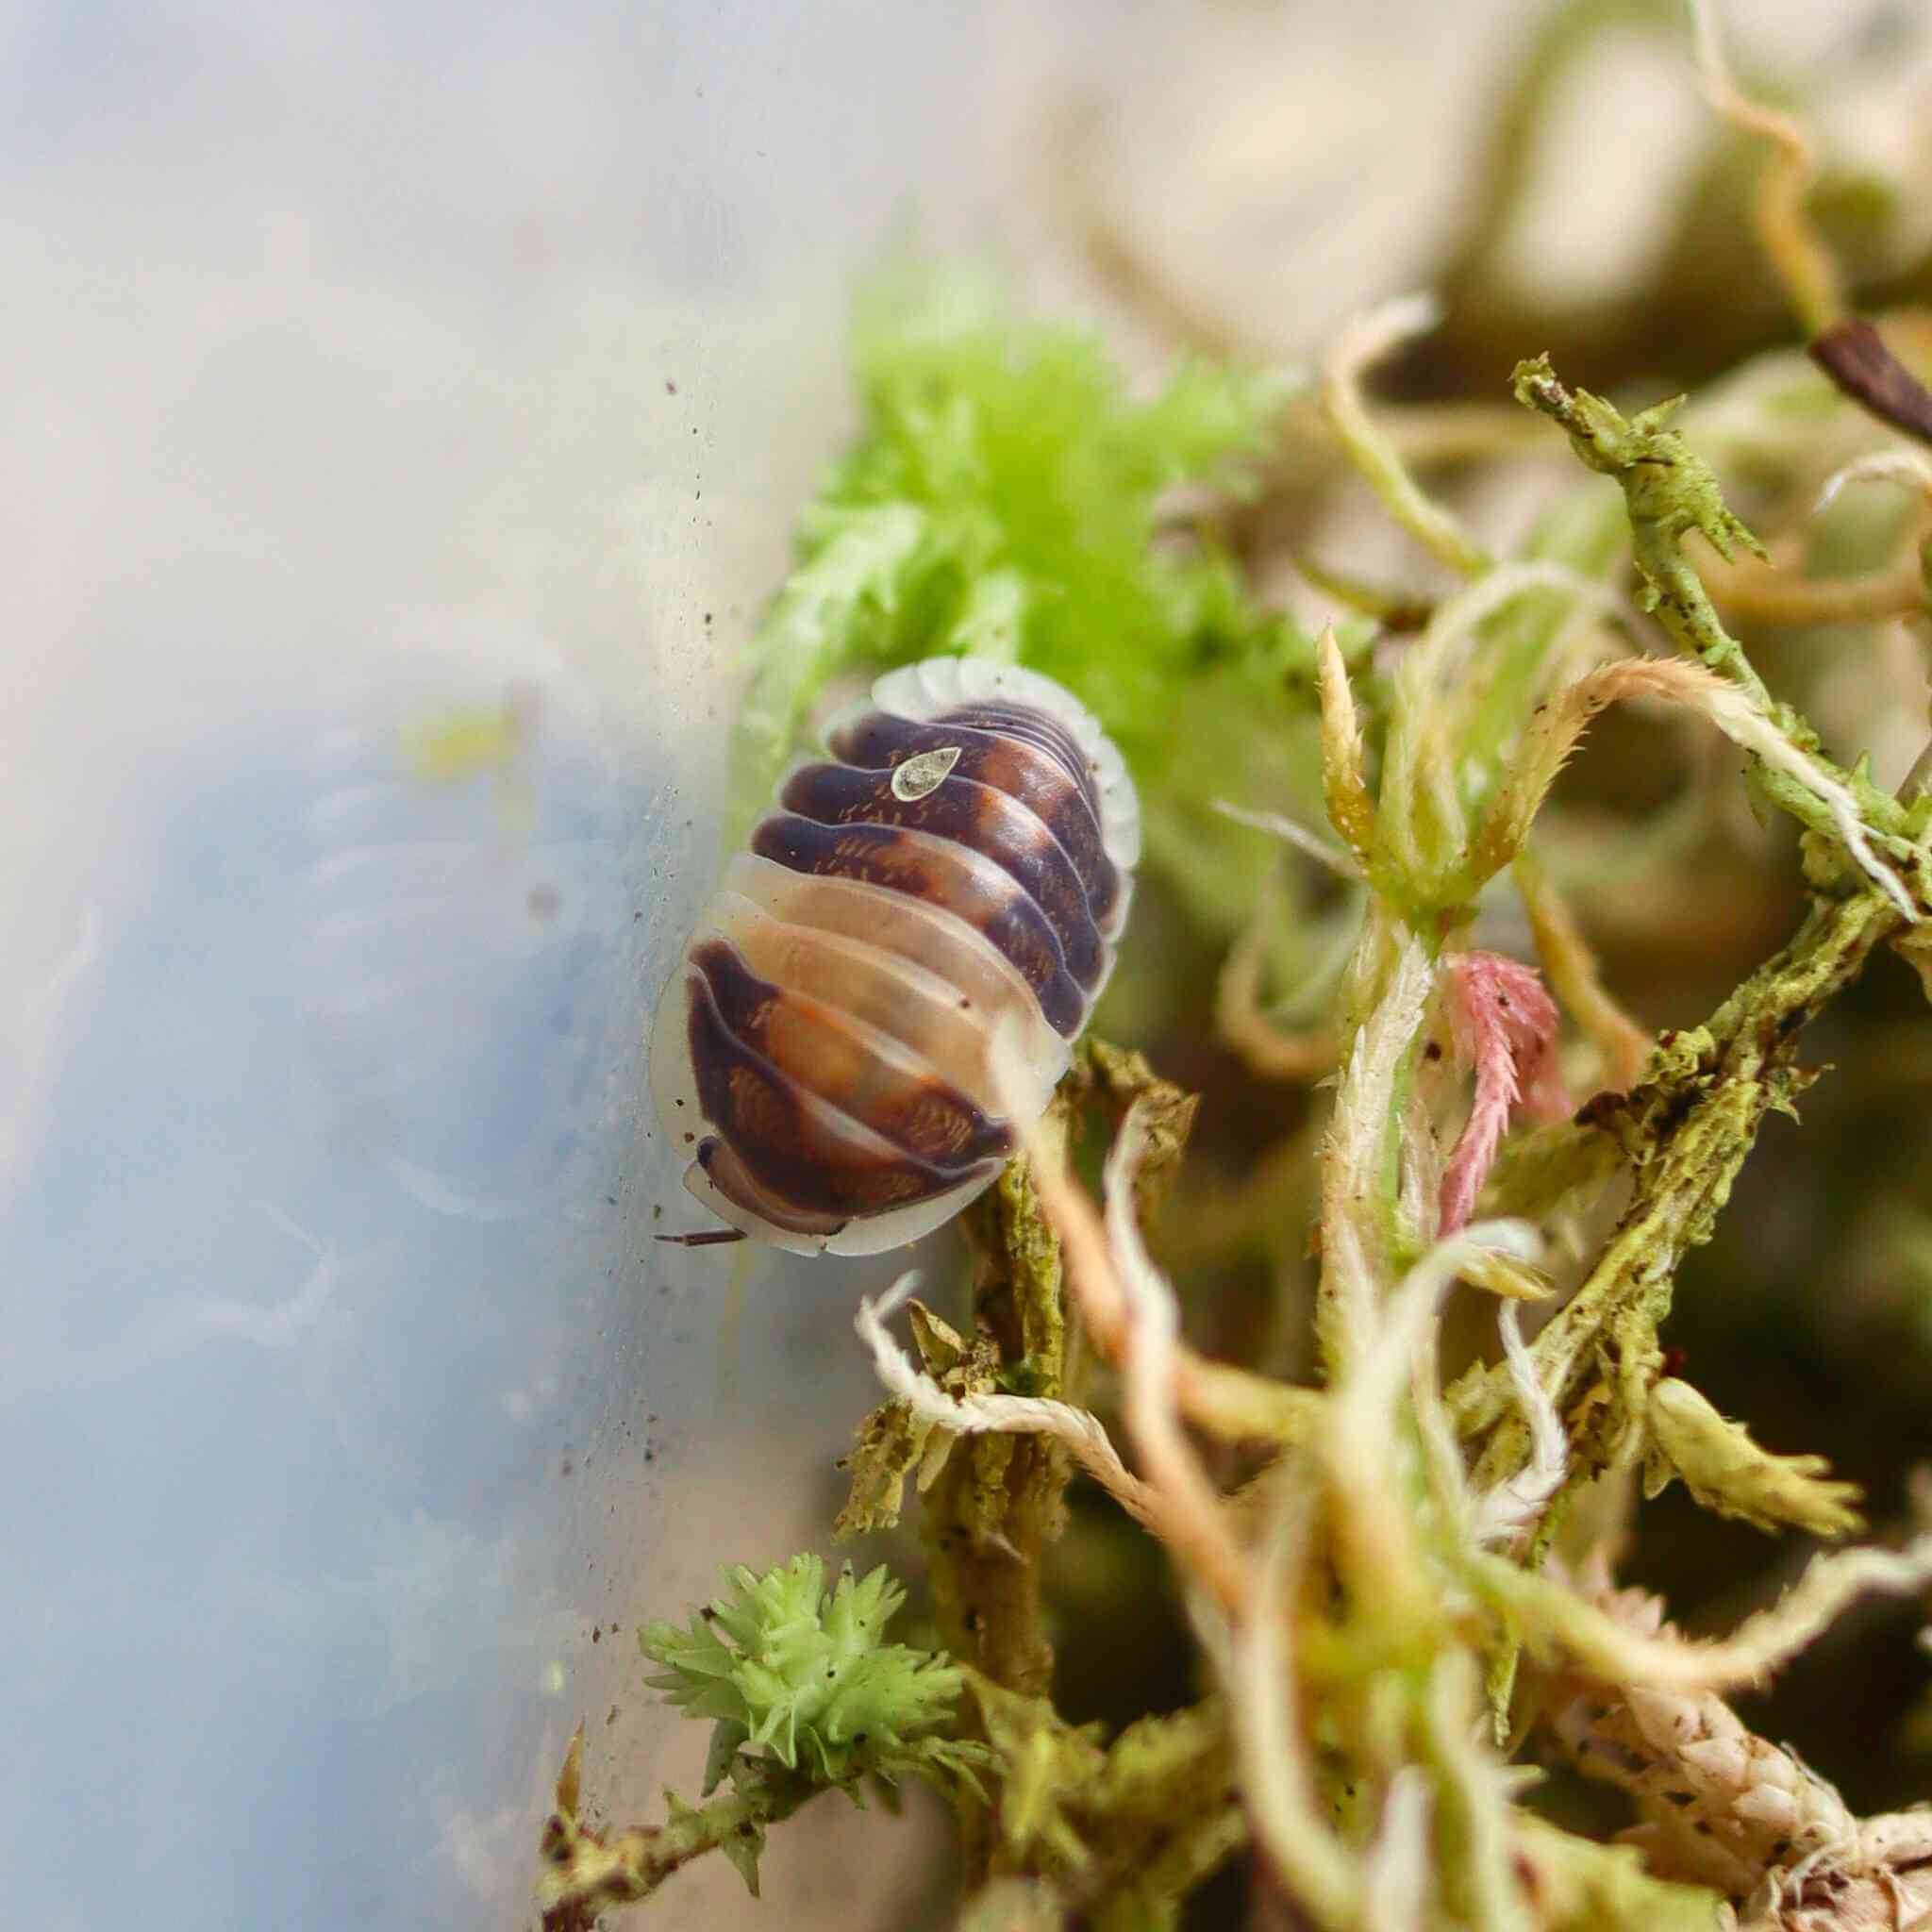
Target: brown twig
[1853,353]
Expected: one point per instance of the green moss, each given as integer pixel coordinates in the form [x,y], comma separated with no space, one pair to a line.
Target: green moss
[1006,493]
[806,1677]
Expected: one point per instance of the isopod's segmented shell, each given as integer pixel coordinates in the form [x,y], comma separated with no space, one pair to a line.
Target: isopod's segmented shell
[956,872]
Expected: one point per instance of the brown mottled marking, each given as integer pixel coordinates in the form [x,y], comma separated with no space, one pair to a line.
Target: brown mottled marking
[977,816]
[829,1053]
[1031,727]
[790,1143]
[988,987]
[941,873]
[733,1179]
[936,1023]
[1025,774]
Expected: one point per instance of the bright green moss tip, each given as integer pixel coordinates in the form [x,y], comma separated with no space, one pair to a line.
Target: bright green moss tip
[804,1676]
[1006,494]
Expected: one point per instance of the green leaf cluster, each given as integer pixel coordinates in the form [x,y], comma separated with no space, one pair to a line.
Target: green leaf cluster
[806,1677]
[1008,495]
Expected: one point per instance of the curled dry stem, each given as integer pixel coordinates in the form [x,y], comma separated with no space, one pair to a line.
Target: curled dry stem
[1255,1662]
[1756,592]
[1078,1429]
[1561,1623]
[1230,1404]
[1239,1018]
[1131,1313]
[1793,247]
[1362,344]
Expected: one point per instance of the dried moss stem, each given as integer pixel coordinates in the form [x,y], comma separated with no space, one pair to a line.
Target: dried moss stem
[583,1874]
[1668,492]
[1000,1498]
[1757,591]
[1140,1328]
[1125,1833]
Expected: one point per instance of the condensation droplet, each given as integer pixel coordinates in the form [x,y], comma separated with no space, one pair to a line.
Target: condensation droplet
[923,774]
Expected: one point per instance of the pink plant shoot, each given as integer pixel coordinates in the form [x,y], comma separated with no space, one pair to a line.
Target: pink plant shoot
[1503,1023]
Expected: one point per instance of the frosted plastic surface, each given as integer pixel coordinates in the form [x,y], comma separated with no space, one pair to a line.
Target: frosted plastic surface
[404,415]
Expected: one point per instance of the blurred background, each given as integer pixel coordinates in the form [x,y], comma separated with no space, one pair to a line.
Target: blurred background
[405,411]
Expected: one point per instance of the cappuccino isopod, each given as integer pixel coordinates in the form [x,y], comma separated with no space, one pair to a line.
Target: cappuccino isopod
[955,870]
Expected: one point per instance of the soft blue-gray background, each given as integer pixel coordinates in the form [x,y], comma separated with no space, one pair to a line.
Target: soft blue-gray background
[368,367]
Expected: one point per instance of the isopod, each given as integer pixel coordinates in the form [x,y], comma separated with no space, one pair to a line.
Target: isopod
[956,870]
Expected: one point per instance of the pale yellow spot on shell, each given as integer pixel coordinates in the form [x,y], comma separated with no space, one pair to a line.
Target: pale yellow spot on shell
[923,774]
